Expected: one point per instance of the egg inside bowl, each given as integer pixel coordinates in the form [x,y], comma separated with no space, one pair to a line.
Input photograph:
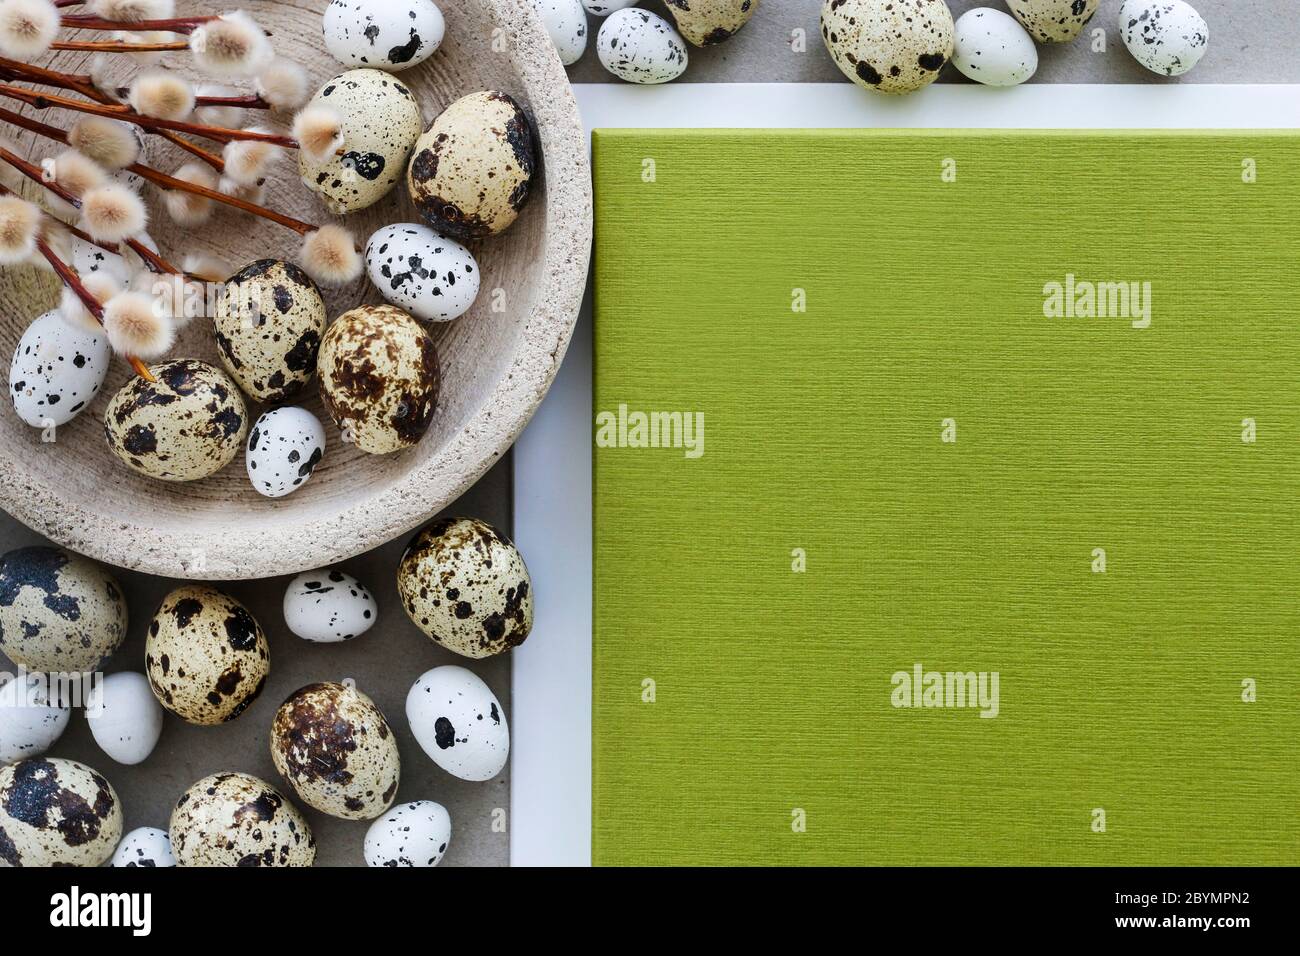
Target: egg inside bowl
[496,361]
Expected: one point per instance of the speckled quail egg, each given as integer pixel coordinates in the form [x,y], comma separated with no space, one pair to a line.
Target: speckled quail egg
[56,812]
[328,606]
[57,369]
[603,8]
[235,819]
[1165,36]
[124,716]
[334,748]
[206,656]
[59,612]
[412,834]
[993,49]
[388,34]
[457,721]
[379,378]
[473,168]
[269,321]
[416,269]
[640,47]
[381,122]
[32,717]
[284,447]
[566,23]
[88,258]
[709,22]
[144,847]
[887,46]
[1053,21]
[465,586]
[186,425]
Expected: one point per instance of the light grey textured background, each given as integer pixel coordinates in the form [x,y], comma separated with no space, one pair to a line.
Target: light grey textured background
[1251,41]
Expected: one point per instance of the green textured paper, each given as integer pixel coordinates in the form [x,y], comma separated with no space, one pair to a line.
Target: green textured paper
[1120,691]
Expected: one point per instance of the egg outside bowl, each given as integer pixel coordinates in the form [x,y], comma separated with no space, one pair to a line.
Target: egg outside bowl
[496,366]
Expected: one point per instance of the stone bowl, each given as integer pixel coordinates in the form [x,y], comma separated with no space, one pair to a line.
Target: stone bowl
[497,361]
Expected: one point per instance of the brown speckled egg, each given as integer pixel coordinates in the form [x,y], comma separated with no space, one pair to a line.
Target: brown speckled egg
[379,378]
[205,655]
[890,46]
[186,425]
[58,611]
[1053,21]
[473,167]
[334,747]
[235,819]
[57,812]
[381,121]
[269,321]
[466,587]
[709,22]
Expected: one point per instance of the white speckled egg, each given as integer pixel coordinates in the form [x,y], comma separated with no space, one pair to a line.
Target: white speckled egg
[993,49]
[186,425]
[412,834]
[416,269]
[381,122]
[566,22]
[235,819]
[144,847]
[457,721]
[284,447]
[30,719]
[888,46]
[328,605]
[57,369]
[465,585]
[473,168]
[88,258]
[388,34]
[333,746]
[56,812]
[379,378]
[59,612]
[269,321]
[1165,36]
[124,716]
[710,22]
[603,8]
[640,47]
[1053,21]
[205,655]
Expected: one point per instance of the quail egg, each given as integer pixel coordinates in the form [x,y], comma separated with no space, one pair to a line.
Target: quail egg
[465,586]
[328,606]
[269,321]
[1166,36]
[144,847]
[993,49]
[457,721]
[886,46]
[88,258]
[603,8]
[379,378]
[416,269]
[640,47]
[124,717]
[389,34]
[473,168]
[235,819]
[57,369]
[1053,21]
[412,834]
[56,812]
[32,717]
[709,22]
[59,612]
[334,747]
[205,655]
[566,23]
[381,122]
[186,425]
[284,447]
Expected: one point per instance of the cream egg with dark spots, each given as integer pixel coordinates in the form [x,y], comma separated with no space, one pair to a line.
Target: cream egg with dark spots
[236,819]
[269,321]
[56,812]
[206,656]
[710,22]
[185,425]
[887,46]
